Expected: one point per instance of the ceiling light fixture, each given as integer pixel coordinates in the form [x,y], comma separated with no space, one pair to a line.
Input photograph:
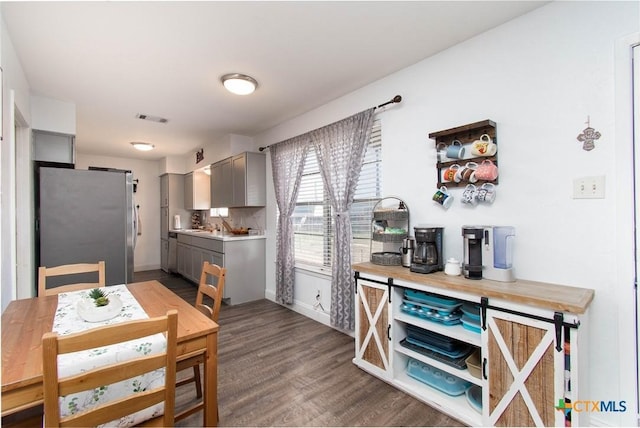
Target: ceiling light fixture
[144,147]
[239,84]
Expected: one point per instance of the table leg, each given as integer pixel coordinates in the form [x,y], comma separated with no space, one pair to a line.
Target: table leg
[211,381]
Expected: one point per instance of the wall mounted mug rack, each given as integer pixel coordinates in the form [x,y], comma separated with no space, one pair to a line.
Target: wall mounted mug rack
[484,131]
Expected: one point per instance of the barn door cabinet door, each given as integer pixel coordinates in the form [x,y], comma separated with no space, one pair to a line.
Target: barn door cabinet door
[372,326]
[524,371]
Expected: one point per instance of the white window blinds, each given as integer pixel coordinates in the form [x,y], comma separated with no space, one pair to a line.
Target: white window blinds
[312,217]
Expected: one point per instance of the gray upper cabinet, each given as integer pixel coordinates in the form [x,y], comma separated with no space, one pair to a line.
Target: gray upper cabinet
[196,191]
[53,147]
[221,184]
[172,203]
[239,181]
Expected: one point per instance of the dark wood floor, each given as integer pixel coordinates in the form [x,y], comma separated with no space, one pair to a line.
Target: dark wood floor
[279,368]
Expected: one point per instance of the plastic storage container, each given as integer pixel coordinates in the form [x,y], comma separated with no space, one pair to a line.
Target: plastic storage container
[436,378]
[474,365]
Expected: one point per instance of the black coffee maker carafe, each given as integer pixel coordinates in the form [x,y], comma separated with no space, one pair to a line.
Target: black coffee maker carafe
[427,256]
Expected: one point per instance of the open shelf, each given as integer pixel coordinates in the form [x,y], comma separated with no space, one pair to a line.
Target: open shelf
[455,331]
[462,374]
[455,406]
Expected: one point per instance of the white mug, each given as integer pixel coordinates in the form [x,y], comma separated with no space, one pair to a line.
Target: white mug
[484,146]
[469,195]
[486,193]
[442,152]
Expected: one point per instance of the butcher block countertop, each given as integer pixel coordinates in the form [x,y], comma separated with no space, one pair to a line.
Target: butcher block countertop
[548,296]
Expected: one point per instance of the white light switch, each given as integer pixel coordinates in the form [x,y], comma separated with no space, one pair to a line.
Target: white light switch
[588,187]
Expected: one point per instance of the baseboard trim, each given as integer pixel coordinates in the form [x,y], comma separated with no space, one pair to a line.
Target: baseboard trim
[145,268]
[308,311]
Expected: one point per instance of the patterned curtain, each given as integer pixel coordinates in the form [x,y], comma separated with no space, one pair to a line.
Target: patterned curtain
[287,161]
[340,148]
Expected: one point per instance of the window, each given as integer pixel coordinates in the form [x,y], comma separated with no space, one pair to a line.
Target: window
[312,217]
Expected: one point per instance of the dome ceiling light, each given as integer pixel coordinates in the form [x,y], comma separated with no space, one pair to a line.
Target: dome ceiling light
[239,84]
[144,147]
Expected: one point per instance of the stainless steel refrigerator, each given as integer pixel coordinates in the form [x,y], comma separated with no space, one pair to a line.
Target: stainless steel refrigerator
[83,216]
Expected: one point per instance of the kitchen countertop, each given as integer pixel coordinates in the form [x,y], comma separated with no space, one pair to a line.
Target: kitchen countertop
[549,296]
[219,235]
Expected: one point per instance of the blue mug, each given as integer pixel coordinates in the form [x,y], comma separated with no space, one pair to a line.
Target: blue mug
[455,150]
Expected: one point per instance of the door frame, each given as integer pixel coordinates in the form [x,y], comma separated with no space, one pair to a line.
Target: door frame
[627,203]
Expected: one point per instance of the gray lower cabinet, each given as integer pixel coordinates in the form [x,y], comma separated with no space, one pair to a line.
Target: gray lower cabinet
[184,267]
[244,260]
[164,255]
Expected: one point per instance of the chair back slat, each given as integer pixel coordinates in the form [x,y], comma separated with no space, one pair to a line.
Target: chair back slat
[110,374]
[213,291]
[72,269]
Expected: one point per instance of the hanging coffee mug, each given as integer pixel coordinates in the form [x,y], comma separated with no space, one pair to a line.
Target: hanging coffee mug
[469,194]
[443,197]
[484,146]
[449,174]
[487,193]
[455,150]
[442,152]
[466,173]
[487,171]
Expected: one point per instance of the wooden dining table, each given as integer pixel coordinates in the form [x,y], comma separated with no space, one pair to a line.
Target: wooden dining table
[24,322]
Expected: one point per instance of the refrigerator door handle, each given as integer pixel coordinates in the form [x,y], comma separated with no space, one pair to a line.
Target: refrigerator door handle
[135,225]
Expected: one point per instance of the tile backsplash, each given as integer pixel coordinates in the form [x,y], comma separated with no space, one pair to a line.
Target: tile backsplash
[249,217]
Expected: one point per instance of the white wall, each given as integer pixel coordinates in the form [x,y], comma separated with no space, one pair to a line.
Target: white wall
[538,77]
[229,145]
[53,115]
[15,102]
[147,252]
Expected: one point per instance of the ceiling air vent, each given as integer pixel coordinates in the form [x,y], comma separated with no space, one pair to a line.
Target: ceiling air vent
[151,118]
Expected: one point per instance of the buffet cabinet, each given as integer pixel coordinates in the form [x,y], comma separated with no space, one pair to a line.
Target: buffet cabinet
[529,344]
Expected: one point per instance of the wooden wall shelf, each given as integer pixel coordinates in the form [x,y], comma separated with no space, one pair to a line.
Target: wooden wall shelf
[466,134]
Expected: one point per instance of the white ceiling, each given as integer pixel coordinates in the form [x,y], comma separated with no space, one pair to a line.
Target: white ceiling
[116,59]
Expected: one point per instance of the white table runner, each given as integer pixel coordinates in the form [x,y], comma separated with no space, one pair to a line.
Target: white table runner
[67,320]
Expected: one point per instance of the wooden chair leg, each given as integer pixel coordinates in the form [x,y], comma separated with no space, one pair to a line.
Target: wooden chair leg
[196,376]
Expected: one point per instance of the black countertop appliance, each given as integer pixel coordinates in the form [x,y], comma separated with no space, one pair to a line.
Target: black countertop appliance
[427,256]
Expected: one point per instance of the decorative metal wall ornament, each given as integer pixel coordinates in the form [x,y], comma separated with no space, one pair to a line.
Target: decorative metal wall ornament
[199,155]
[589,136]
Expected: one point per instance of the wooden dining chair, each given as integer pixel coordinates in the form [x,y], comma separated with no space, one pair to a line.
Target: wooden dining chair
[214,290]
[46,272]
[55,386]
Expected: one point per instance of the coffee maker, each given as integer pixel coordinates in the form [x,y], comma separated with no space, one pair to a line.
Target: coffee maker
[427,255]
[488,252]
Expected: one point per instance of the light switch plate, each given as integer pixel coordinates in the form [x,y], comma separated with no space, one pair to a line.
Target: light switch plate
[589,187]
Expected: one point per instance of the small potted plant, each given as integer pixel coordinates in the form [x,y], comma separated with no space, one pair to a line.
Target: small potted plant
[98,306]
[99,297]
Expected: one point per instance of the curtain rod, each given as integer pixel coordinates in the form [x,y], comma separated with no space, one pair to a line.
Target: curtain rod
[394,100]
